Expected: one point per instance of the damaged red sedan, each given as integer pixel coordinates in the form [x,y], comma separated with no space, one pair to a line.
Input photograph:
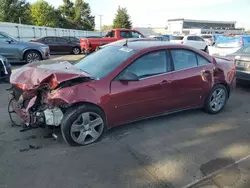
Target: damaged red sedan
[119,84]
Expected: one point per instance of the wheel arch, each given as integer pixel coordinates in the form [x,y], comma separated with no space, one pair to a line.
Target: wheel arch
[74,105]
[227,87]
[28,50]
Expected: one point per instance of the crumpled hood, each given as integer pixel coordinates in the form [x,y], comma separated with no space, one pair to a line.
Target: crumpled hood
[32,76]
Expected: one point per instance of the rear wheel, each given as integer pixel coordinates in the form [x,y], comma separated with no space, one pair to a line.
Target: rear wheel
[76,51]
[83,125]
[32,56]
[217,99]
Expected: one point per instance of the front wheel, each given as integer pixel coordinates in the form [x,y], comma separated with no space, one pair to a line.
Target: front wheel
[83,125]
[32,56]
[217,99]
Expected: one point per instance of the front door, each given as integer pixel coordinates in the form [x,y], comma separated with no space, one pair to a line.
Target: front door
[193,78]
[150,95]
[8,48]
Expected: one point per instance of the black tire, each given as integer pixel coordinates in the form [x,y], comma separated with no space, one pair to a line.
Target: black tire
[76,51]
[72,115]
[207,107]
[32,56]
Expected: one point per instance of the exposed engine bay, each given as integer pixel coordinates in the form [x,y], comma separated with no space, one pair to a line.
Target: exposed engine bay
[36,101]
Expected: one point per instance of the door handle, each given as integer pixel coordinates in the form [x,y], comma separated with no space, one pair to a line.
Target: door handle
[166,81]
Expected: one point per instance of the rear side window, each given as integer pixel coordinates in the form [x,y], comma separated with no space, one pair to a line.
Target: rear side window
[183,59]
[61,40]
[126,34]
[199,38]
[176,37]
[191,38]
[49,39]
[151,64]
[202,60]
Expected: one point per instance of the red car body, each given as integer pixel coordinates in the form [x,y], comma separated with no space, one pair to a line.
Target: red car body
[121,101]
[90,44]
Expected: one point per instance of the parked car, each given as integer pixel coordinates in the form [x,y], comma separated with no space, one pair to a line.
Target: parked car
[19,52]
[225,45]
[126,41]
[90,44]
[159,37]
[72,39]
[119,84]
[209,38]
[167,36]
[242,62]
[191,40]
[5,69]
[60,45]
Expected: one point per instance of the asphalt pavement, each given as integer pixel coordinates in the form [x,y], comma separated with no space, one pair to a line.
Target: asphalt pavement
[180,150]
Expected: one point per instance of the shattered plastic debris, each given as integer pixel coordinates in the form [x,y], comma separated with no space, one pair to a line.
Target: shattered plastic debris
[34,147]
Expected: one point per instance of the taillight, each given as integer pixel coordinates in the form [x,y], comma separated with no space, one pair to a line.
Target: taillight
[182,42]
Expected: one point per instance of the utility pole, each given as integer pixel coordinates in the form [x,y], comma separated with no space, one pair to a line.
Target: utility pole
[100,23]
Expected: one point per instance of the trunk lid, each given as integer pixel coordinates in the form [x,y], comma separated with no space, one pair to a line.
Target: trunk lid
[32,76]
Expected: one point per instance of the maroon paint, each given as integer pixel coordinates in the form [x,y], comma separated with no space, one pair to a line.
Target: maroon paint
[128,101]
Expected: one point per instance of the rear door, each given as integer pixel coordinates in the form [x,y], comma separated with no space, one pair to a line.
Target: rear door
[150,95]
[51,42]
[63,45]
[193,78]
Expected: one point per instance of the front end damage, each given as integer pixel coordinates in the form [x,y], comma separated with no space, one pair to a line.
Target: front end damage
[33,109]
[33,95]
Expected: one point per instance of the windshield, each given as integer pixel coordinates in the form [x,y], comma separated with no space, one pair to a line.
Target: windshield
[99,64]
[9,36]
[228,42]
[176,37]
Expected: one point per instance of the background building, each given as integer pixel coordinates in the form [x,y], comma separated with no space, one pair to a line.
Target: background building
[186,26]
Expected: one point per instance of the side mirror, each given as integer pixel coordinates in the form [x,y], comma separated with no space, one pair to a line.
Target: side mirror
[128,76]
[9,41]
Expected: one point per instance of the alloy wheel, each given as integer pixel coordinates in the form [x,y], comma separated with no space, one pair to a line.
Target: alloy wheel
[218,99]
[32,57]
[76,51]
[87,128]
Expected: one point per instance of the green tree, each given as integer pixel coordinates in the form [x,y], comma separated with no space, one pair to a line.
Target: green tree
[83,18]
[43,14]
[67,11]
[107,27]
[122,19]
[15,11]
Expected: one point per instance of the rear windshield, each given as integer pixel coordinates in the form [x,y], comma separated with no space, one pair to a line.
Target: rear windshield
[206,36]
[228,42]
[176,37]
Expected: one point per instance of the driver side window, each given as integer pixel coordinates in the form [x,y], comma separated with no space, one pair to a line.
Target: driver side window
[3,38]
[151,64]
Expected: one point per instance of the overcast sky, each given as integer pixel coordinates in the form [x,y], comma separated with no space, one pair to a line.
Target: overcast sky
[157,12]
